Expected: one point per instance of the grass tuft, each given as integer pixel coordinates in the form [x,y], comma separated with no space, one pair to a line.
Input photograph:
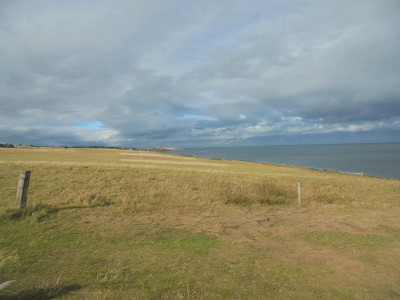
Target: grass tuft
[97,199]
[7,258]
[38,213]
[261,192]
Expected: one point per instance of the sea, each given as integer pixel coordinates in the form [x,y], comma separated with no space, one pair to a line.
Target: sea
[378,160]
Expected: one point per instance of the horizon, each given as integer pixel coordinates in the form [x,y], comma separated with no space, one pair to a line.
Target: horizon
[204,74]
[290,145]
[172,148]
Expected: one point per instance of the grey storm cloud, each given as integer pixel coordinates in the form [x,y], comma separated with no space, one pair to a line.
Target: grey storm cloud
[189,73]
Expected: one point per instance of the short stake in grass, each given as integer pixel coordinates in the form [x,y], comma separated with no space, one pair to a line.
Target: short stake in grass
[22,189]
[299,190]
[6,284]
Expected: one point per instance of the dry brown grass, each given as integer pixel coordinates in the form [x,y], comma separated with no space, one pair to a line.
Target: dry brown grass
[342,242]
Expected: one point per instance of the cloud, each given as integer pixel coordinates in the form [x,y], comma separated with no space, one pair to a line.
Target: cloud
[145,73]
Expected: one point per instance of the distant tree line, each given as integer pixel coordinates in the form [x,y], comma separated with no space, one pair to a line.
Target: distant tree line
[7,145]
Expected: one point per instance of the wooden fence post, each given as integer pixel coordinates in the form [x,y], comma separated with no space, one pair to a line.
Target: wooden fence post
[22,189]
[299,190]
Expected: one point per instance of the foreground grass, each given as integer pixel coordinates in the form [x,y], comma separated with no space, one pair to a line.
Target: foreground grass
[121,224]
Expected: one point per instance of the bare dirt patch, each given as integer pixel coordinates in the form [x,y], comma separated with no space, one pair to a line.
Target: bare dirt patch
[165,159]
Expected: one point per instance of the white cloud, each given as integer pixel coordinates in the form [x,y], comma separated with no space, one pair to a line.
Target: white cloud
[186,73]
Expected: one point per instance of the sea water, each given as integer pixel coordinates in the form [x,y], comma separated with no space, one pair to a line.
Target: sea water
[380,160]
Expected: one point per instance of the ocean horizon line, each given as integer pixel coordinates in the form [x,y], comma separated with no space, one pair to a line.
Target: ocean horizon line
[370,159]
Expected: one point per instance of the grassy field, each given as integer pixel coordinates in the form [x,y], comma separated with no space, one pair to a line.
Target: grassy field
[114,224]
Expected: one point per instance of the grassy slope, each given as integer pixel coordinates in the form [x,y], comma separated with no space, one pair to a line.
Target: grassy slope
[122,224]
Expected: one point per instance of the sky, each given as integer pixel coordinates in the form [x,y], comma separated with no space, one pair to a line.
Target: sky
[198,73]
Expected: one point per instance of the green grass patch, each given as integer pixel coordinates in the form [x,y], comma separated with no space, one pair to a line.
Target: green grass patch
[152,261]
[184,242]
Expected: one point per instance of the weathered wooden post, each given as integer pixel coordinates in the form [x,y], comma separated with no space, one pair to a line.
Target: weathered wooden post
[299,190]
[22,189]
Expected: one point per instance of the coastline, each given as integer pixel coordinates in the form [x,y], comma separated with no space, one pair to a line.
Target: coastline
[374,160]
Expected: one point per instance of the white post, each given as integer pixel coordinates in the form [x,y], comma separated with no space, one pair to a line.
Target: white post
[299,190]
[22,189]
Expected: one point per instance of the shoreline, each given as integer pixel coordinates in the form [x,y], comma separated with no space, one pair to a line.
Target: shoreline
[363,173]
